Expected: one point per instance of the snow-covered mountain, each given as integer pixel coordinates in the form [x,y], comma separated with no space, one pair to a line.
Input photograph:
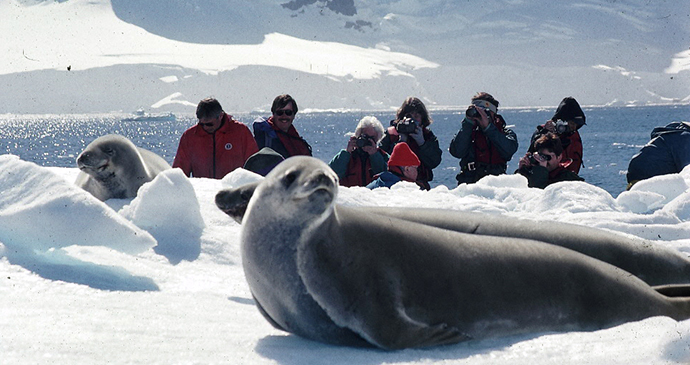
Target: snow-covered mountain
[75,56]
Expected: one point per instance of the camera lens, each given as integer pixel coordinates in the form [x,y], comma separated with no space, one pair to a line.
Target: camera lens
[363,141]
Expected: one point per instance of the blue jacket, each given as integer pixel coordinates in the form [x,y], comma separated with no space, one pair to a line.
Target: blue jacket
[666,153]
[385,180]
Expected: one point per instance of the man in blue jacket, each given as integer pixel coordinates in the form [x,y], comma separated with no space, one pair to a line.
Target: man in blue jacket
[667,152]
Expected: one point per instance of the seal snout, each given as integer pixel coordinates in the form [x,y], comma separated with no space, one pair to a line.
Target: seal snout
[319,182]
[90,160]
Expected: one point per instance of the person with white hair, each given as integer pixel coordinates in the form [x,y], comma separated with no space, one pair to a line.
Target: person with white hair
[361,160]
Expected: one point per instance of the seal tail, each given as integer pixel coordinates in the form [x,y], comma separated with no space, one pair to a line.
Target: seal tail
[679,296]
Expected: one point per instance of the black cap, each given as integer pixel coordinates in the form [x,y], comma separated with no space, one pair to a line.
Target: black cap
[263,161]
[569,109]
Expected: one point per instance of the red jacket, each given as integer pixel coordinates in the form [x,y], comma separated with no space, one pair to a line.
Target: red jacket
[484,150]
[202,154]
[573,151]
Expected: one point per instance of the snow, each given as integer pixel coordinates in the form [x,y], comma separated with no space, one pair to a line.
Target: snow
[158,278]
[105,40]
[95,56]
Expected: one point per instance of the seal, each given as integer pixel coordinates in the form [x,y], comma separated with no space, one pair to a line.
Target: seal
[656,265]
[113,167]
[345,276]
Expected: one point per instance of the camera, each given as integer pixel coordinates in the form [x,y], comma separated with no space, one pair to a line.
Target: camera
[472,113]
[406,126]
[532,160]
[561,126]
[363,141]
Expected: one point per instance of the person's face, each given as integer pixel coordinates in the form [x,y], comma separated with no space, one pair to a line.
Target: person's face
[551,159]
[283,117]
[416,115]
[410,172]
[212,124]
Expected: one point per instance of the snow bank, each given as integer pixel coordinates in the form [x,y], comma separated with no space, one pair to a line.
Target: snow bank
[42,211]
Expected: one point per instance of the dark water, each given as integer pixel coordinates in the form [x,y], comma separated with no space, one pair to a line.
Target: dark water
[610,138]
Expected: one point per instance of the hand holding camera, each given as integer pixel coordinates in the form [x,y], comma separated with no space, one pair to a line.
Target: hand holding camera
[364,143]
[559,126]
[406,126]
[529,160]
[480,116]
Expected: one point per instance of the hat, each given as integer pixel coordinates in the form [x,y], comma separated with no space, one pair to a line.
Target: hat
[569,109]
[403,156]
[263,161]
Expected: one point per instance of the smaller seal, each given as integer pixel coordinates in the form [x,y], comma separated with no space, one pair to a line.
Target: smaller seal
[113,167]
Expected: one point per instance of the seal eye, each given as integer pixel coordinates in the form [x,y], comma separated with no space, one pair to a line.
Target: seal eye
[290,178]
[109,151]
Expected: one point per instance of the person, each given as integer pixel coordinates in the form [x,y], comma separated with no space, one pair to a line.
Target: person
[278,132]
[357,164]
[566,122]
[216,145]
[411,125]
[667,152]
[403,165]
[543,167]
[484,144]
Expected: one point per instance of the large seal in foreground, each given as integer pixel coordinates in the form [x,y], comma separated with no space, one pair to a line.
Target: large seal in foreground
[653,263]
[113,167]
[344,276]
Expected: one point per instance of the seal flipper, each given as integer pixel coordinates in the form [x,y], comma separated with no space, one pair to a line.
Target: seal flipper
[234,202]
[266,316]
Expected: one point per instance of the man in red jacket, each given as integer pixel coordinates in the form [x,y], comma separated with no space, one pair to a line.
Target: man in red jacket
[216,145]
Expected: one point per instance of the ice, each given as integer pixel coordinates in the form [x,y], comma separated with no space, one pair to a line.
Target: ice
[68,295]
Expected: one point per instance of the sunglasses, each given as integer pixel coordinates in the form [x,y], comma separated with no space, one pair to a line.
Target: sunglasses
[206,124]
[543,157]
[287,112]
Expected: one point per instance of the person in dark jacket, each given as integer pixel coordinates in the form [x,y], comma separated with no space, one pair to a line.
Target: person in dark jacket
[402,166]
[484,143]
[566,123]
[544,166]
[357,164]
[278,132]
[216,145]
[667,152]
[411,125]
[263,161]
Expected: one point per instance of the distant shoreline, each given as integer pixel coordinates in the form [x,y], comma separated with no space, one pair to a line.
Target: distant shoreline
[432,108]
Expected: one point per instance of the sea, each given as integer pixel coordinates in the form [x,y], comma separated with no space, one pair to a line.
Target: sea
[610,138]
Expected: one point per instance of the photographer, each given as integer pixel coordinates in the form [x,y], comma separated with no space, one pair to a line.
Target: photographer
[565,123]
[357,164]
[411,126]
[484,144]
[543,167]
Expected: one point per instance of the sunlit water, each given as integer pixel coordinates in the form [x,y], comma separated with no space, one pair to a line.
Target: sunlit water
[610,138]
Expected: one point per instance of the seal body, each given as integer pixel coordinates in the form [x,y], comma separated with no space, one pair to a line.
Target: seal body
[656,265]
[113,167]
[347,276]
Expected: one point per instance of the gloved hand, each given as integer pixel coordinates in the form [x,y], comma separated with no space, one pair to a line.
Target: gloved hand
[418,136]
